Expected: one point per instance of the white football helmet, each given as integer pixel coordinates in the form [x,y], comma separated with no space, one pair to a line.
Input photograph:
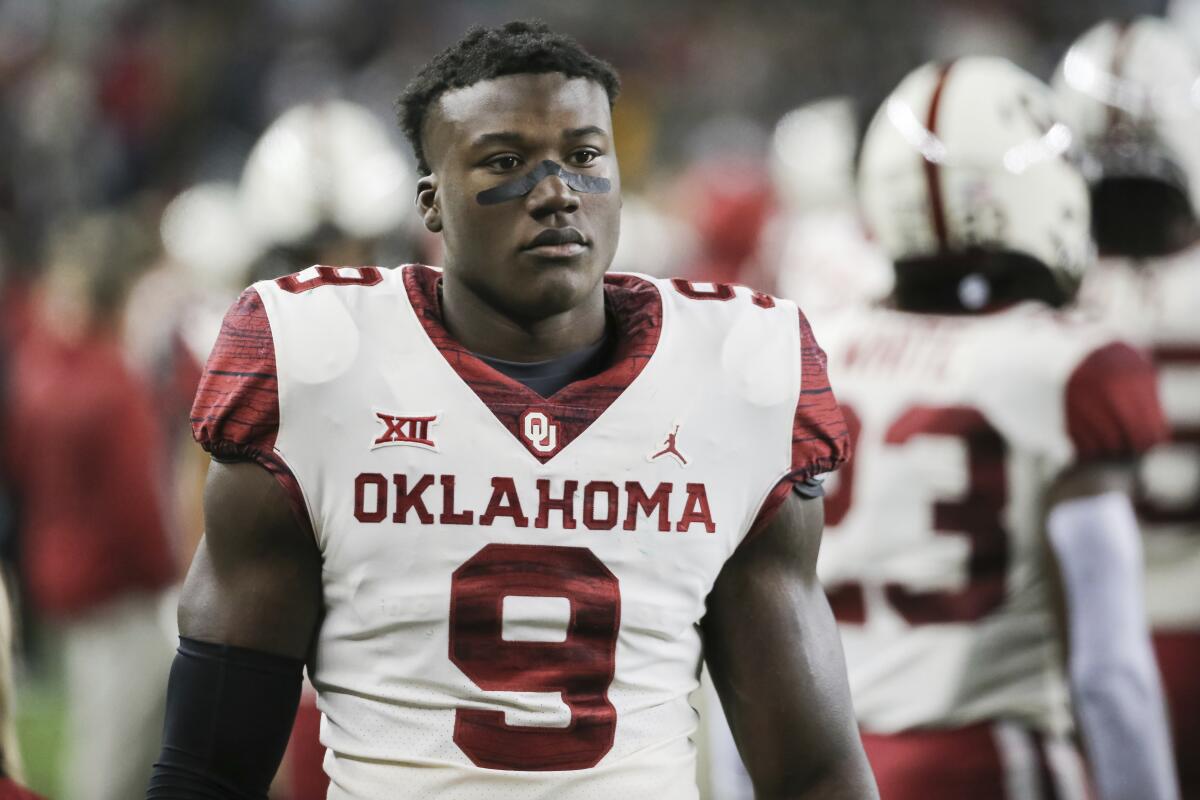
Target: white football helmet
[330,162]
[971,155]
[811,159]
[205,231]
[1131,91]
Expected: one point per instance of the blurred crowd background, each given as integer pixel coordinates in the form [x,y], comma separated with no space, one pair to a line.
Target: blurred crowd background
[158,155]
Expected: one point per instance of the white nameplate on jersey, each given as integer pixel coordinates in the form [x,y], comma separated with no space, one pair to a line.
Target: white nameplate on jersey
[410,431]
[669,447]
[540,431]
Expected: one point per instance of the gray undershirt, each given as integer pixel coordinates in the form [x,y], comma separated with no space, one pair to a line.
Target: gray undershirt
[547,377]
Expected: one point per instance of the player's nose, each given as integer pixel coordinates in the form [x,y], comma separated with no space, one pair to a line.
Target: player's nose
[552,195]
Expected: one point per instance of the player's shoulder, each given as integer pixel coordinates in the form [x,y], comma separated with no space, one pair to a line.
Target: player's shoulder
[235,413]
[1047,353]
[713,299]
[1043,341]
[766,355]
[1032,337]
[1102,387]
[349,284]
[752,337]
[1110,395]
[1071,346]
[704,311]
[307,299]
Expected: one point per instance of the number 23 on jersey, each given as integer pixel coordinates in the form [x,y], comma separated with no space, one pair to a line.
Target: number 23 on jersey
[975,515]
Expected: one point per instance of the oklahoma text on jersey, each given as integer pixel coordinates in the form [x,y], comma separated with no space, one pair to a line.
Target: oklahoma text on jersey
[600,506]
[513,583]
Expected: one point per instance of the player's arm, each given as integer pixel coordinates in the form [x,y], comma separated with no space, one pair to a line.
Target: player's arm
[252,597]
[773,650]
[1113,415]
[1118,698]
[247,617]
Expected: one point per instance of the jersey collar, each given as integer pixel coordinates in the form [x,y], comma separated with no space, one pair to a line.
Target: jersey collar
[634,305]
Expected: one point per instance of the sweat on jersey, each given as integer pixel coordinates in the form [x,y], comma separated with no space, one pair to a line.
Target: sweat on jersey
[513,584]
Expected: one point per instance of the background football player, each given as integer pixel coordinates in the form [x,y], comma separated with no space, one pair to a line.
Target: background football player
[1131,91]
[488,504]
[993,438]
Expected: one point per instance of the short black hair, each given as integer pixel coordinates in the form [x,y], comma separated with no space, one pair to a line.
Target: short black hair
[515,48]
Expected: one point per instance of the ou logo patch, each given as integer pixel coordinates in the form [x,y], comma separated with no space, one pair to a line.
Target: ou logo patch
[540,432]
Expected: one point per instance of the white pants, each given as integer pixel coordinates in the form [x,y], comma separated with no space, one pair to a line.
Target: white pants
[117,658]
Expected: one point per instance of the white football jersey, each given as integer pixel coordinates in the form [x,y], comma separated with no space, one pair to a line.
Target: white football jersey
[513,584]
[933,556]
[1156,303]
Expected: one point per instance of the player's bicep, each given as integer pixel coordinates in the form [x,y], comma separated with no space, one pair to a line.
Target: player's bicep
[776,660]
[255,581]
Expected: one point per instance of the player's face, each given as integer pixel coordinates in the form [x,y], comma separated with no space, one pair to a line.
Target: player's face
[493,132]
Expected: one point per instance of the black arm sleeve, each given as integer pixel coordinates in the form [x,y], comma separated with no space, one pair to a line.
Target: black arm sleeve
[229,715]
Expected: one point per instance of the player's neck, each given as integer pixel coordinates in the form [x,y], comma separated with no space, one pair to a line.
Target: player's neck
[482,328]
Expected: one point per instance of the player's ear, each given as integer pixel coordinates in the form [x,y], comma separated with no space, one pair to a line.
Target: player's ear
[427,203]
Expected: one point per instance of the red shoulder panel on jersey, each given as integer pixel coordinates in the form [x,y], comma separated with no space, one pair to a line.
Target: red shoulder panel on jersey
[235,415]
[1112,407]
[820,441]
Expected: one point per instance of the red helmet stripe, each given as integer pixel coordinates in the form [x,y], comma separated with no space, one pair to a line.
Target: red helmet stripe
[937,211]
[1120,52]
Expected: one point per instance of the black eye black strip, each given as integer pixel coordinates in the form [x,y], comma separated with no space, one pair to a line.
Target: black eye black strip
[519,187]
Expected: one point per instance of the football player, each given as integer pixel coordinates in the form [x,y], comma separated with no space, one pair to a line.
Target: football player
[499,507]
[1129,89]
[982,554]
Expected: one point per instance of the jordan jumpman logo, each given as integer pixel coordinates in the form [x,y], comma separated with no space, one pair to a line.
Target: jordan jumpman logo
[670,448]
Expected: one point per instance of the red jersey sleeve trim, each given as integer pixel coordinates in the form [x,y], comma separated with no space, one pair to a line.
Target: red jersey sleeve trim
[820,441]
[235,416]
[1112,406]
